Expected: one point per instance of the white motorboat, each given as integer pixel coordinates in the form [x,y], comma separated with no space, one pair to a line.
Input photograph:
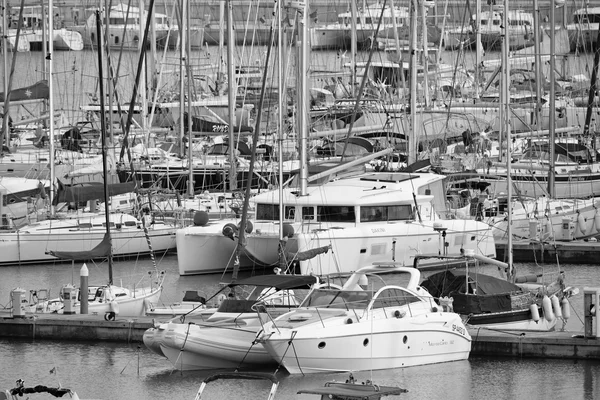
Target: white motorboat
[224,337]
[583,31]
[373,217]
[387,325]
[32,35]
[35,242]
[338,35]
[125,30]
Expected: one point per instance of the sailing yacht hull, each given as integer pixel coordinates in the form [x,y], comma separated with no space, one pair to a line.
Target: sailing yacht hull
[32,243]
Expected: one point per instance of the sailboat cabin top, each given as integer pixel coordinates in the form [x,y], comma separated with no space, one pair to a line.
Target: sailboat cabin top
[367,198]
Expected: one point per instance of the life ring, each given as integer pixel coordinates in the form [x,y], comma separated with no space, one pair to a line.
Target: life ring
[561,112]
[109,316]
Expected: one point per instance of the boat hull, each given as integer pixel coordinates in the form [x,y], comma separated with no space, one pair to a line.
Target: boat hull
[32,243]
[228,345]
[376,344]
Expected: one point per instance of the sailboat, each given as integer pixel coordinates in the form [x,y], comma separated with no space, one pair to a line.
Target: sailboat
[110,299]
[514,303]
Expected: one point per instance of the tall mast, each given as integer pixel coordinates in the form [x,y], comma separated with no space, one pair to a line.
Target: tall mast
[49,69]
[552,94]
[412,140]
[6,114]
[182,29]
[104,149]
[189,96]
[302,109]
[232,89]
[505,128]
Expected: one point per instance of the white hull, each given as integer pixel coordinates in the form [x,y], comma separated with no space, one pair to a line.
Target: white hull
[193,347]
[205,250]
[63,39]
[376,344]
[356,246]
[31,243]
[132,307]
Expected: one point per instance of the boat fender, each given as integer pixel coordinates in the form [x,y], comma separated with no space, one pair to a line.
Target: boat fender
[201,218]
[109,316]
[288,230]
[114,307]
[220,299]
[566,308]
[147,306]
[581,223]
[556,306]
[549,230]
[597,221]
[535,313]
[249,226]
[547,308]
[229,230]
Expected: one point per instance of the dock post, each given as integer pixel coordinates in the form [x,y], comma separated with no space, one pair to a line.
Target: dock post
[591,302]
[83,289]
[17,296]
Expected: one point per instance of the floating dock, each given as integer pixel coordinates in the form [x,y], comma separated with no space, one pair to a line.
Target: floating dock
[486,342]
[576,251]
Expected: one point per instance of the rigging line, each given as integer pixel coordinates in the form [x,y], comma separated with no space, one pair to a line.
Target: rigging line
[363,81]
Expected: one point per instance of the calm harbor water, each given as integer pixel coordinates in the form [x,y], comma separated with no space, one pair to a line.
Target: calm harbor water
[102,370]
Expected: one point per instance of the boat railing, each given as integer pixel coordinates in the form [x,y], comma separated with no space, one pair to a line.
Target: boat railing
[353,310]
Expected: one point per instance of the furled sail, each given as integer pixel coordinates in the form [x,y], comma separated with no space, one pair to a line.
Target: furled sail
[37,91]
[307,254]
[102,249]
[89,191]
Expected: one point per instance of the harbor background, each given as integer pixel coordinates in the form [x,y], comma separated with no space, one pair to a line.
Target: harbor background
[104,370]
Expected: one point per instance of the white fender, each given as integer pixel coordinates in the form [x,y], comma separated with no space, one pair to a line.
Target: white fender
[556,306]
[549,230]
[547,308]
[535,313]
[597,221]
[566,308]
[581,223]
[114,307]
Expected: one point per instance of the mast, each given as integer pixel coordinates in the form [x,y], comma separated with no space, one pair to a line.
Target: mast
[5,113]
[412,141]
[49,69]
[353,45]
[505,80]
[182,29]
[190,81]
[241,243]
[302,110]
[537,64]
[231,91]
[552,94]
[104,149]
[281,124]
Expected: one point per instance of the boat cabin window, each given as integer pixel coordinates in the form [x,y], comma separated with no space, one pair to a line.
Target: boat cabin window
[394,297]
[121,21]
[308,213]
[335,214]
[332,298]
[270,212]
[386,213]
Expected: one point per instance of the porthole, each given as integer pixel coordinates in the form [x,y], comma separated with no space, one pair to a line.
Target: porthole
[366,342]
[322,345]
[405,339]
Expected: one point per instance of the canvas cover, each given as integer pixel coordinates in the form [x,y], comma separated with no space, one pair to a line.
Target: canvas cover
[473,293]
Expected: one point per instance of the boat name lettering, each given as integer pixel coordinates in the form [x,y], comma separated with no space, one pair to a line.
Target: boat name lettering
[571,178]
[377,230]
[459,329]
[220,128]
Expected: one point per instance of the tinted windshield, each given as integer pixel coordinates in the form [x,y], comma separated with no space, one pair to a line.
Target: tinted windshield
[345,299]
